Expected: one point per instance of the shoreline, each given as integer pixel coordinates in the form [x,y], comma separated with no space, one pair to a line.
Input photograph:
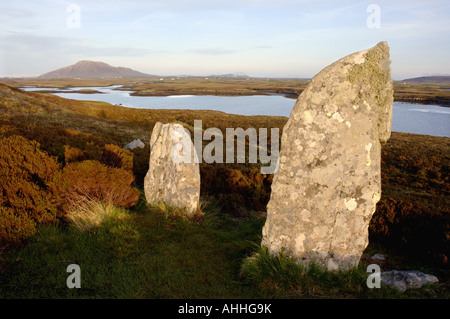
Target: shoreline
[57,91]
[290,94]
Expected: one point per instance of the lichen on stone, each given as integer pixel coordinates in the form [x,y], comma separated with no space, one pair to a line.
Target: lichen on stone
[328,181]
[374,73]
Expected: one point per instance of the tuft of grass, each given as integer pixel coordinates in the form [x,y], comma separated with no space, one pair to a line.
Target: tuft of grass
[85,212]
[263,266]
[176,212]
[282,276]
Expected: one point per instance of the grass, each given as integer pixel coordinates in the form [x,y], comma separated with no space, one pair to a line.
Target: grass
[284,277]
[87,213]
[143,253]
[146,253]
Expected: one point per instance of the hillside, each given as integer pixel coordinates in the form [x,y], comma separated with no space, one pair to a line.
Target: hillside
[93,69]
[143,254]
[429,79]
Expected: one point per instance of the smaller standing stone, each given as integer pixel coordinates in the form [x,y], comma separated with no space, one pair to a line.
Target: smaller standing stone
[174,174]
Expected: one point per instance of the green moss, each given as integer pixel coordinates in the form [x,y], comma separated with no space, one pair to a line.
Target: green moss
[374,72]
[373,78]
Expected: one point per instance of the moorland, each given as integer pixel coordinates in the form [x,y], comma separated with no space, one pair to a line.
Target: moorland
[137,250]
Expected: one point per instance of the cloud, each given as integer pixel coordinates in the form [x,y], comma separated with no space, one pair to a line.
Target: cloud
[212,51]
[16,13]
[265,35]
[263,46]
[44,45]
[28,54]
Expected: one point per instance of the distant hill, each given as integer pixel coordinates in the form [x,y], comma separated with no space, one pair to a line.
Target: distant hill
[93,69]
[429,79]
[228,75]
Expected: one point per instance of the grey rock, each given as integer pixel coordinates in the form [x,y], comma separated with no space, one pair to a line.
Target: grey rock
[328,182]
[174,174]
[377,257]
[135,144]
[403,280]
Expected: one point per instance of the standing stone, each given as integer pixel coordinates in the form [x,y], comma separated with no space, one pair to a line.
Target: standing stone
[174,174]
[328,183]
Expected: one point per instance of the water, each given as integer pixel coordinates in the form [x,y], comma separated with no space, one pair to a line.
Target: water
[421,119]
[407,117]
[243,105]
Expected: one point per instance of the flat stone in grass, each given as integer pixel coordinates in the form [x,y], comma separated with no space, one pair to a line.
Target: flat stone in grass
[406,279]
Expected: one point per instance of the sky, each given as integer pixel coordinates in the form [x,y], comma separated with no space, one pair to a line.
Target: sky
[259,38]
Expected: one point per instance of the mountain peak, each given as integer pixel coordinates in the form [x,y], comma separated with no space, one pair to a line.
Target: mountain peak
[93,69]
[430,79]
[90,62]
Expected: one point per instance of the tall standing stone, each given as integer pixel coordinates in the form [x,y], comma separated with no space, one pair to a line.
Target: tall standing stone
[174,174]
[328,182]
